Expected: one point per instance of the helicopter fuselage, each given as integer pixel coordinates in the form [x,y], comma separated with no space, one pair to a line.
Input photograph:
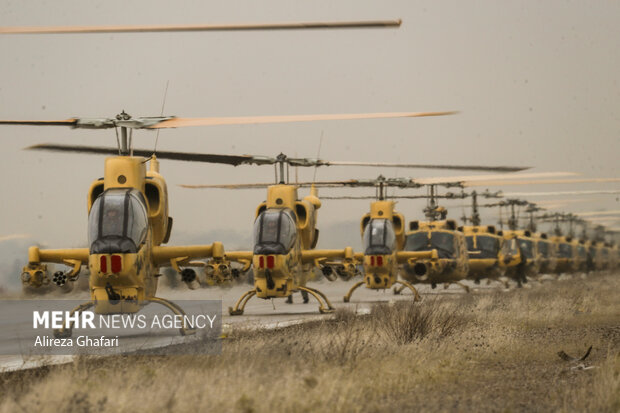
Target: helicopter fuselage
[452,264]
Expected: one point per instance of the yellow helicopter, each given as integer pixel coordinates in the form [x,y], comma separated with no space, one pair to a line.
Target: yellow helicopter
[441,234]
[383,238]
[569,259]
[483,243]
[519,253]
[547,254]
[285,236]
[128,221]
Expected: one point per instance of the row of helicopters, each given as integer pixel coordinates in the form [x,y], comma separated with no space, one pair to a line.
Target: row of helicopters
[129,222]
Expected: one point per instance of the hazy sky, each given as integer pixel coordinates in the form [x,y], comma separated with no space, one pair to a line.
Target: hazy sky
[537,84]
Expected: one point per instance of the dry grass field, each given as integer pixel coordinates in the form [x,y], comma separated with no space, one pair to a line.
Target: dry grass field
[487,351]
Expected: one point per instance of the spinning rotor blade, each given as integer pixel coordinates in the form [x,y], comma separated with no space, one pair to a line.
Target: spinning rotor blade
[160,122]
[245,120]
[597,213]
[14,237]
[466,180]
[229,186]
[319,184]
[202,27]
[426,166]
[177,156]
[540,182]
[560,193]
[389,198]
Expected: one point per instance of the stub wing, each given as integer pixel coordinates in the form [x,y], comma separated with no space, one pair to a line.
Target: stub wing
[242,257]
[182,254]
[72,257]
[319,256]
[411,257]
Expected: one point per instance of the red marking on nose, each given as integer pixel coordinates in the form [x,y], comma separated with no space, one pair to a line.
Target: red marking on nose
[117,263]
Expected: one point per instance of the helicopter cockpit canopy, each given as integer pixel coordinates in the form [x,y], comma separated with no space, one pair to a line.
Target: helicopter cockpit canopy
[510,247]
[275,232]
[565,250]
[441,241]
[544,248]
[527,247]
[379,237]
[485,246]
[118,222]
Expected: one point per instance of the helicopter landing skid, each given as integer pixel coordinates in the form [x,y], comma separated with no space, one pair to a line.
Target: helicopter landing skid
[405,284]
[357,285]
[238,310]
[318,295]
[66,332]
[177,311]
[460,284]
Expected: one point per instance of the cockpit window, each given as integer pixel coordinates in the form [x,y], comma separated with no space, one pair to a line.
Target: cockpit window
[510,248]
[379,237]
[527,246]
[581,251]
[274,232]
[443,242]
[417,241]
[565,250]
[488,247]
[118,222]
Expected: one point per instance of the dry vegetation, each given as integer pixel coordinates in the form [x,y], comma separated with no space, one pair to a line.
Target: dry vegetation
[477,352]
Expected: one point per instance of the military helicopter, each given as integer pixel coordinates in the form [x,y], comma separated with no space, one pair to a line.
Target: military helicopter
[483,243]
[127,225]
[441,234]
[569,259]
[520,249]
[547,259]
[383,237]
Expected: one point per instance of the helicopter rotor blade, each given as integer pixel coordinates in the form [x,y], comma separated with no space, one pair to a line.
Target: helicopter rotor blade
[177,156]
[561,193]
[245,120]
[427,166]
[598,213]
[66,122]
[472,180]
[327,184]
[540,182]
[202,27]
[160,122]
[229,186]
